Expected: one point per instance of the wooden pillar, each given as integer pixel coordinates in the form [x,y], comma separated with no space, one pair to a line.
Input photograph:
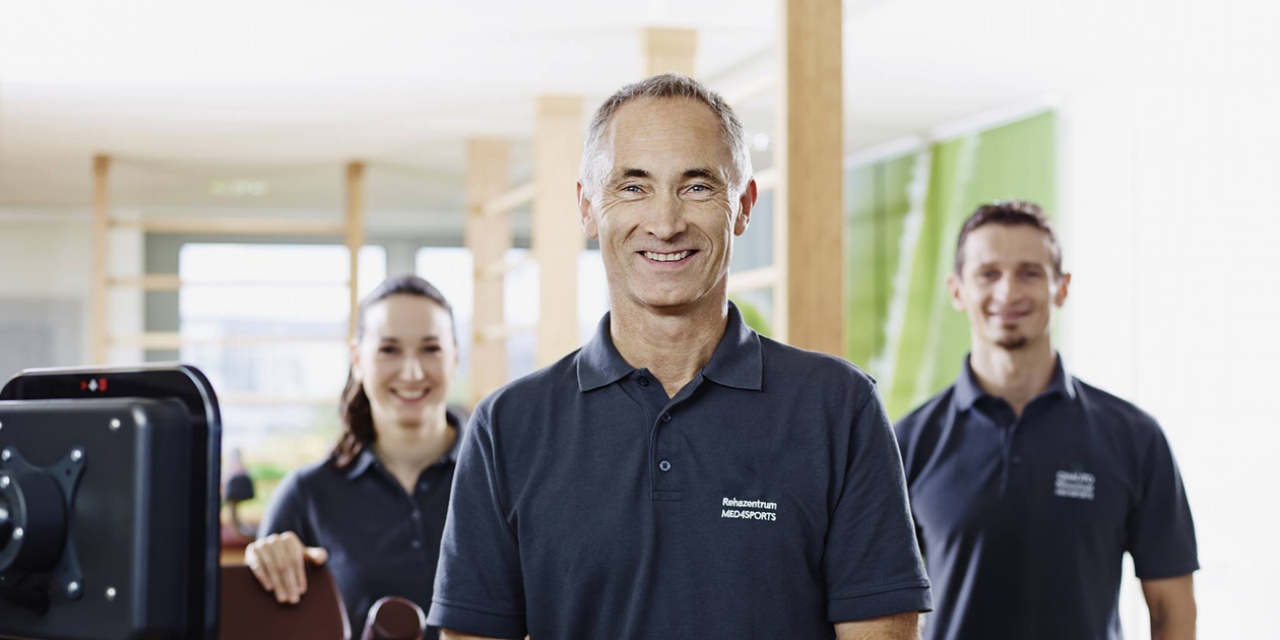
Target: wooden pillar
[557,231]
[669,50]
[98,297]
[354,239]
[809,249]
[488,237]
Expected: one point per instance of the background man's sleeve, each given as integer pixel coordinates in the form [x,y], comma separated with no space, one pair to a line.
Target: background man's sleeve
[1162,536]
[479,586]
[873,564]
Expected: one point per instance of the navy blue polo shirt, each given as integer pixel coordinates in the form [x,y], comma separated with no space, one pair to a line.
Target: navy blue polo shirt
[765,500]
[1024,521]
[381,540]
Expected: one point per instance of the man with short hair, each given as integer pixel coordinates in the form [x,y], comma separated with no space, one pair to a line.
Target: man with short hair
[1028,485]
[679,476]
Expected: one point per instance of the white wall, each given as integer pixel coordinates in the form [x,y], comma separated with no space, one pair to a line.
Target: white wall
[1171,233]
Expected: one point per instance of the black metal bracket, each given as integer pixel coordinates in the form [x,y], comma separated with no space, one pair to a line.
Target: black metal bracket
[65,581]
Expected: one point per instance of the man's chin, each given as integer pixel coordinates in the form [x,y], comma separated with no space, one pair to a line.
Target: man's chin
[1012,343]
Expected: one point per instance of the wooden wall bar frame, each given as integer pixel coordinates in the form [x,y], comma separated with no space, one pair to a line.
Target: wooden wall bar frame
[669,50]
[354,237]
[98,296]
[557,228]
[488,236]
[809,201]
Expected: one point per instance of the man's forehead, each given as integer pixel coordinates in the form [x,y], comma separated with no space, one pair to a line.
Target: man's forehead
[1017,244]
[666,124]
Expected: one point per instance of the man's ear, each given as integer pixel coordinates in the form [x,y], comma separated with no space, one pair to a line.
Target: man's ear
[746,202]
[584,209]
[1060,296]
[953,288]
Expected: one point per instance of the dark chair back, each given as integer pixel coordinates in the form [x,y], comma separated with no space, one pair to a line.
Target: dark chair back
[393,618]
[249,612]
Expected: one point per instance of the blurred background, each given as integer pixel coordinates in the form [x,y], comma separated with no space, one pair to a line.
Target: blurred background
[190,180]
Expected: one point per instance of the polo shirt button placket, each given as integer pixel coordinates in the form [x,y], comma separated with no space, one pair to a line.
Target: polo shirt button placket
[665,465]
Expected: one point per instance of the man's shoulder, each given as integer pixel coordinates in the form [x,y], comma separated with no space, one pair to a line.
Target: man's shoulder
[796,365]
[536,387]
[1114,412]
[928,415]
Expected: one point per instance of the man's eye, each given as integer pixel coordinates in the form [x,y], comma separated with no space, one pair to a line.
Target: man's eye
[632,188]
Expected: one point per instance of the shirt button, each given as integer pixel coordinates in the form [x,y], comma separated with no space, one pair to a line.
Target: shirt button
[416,544]
[416,515]
[644,382]
[424,485]
[664,465]
[1017,459]
[666,417]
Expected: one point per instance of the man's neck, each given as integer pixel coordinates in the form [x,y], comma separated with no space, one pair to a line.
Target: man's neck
[673,347]
[1018,375]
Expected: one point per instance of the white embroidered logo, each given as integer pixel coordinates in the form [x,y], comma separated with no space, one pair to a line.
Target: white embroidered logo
[749,509]
[1074,484]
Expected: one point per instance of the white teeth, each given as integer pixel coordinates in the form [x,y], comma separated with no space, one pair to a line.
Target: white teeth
[666,257]
[411,395]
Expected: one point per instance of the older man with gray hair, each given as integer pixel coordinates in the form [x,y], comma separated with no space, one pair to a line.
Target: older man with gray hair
[679,476]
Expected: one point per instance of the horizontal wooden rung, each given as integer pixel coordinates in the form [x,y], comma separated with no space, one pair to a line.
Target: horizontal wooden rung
[499,269]
[151,282]
[175,340]
[753,279]
[493,333]
[509,201]
[234,226]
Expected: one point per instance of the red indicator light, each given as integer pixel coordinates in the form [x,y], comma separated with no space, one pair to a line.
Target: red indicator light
[102,384]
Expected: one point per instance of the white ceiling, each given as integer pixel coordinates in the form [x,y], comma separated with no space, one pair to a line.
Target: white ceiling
[285,91]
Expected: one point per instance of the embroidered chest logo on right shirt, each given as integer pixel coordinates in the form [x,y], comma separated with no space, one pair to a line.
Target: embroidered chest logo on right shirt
[1079,485]
[749,509]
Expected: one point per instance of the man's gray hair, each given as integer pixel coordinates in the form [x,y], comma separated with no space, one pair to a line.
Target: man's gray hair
[664,86]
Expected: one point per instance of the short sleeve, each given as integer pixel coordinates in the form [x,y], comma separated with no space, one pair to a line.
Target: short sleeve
[287,511]
[873,565]
[479,586]
[1162,537]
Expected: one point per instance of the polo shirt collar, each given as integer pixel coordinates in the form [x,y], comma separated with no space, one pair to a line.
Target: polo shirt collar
[367,458]
[599,363]
[735,362]
[968,390]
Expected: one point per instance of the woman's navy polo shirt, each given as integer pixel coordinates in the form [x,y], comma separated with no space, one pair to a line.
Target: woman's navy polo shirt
[1024,522]
[765,500]
[381,541]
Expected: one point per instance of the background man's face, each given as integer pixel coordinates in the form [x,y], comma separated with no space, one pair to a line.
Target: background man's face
[664,212]
[1007,286]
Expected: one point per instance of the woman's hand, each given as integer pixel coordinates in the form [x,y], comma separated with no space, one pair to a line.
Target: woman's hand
[278,561]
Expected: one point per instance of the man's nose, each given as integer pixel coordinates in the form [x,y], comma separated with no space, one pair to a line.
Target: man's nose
[1004,288]
[667,219]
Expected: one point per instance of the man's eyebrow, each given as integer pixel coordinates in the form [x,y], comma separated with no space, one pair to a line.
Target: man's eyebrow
[631,173]
[703,173]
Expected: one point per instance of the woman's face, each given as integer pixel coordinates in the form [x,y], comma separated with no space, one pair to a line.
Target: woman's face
[405,360]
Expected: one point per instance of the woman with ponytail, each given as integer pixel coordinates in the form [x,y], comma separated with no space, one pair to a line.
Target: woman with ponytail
[374,510]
